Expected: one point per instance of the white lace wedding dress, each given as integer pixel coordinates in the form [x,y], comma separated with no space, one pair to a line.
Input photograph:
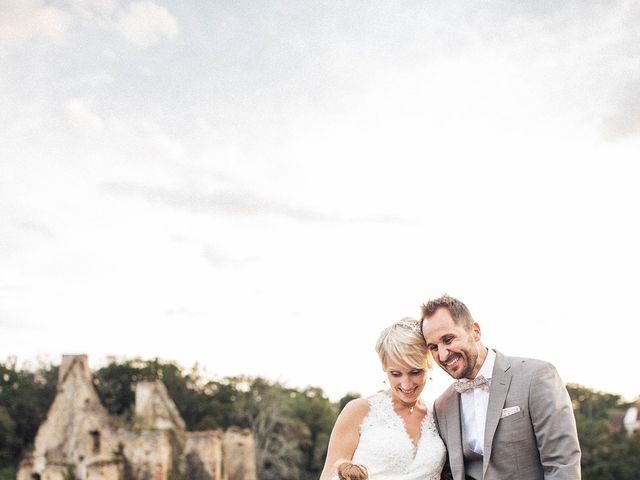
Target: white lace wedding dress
[388,452]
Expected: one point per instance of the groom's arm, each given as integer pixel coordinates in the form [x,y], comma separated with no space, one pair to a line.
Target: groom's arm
[446,470]
[554,425]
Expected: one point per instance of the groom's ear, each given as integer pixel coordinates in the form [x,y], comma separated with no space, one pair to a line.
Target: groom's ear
[475,331]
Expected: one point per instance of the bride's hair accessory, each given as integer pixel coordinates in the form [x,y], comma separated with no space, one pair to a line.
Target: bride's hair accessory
[410,323]
[402,342]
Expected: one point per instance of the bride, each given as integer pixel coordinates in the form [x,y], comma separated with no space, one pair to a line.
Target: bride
[391,433]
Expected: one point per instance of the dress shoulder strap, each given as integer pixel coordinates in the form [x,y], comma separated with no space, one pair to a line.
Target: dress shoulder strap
[380,412]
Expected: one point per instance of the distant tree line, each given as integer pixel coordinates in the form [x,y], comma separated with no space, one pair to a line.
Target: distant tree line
[606,454]
[291,426]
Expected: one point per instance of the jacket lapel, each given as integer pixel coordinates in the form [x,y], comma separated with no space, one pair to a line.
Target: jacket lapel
[500,381]
[454,434]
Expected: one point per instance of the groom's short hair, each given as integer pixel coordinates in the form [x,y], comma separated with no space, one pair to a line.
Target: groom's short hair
[458,310]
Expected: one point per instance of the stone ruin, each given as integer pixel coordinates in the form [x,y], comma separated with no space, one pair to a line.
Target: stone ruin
[80,440]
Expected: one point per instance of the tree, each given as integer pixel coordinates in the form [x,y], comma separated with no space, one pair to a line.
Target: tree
[203,405]
[8,440]
[605,452]
[25,397]
[314,409]
[346,399]
[267,408]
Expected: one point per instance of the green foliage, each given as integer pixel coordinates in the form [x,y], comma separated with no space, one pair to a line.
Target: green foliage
[291,426]
[203,405]
[115,382]
[8,440]
[592,404]
[315,411]
[25,397]
[346,399]
[267,408]
[69,472]
[8,473]
[606,454]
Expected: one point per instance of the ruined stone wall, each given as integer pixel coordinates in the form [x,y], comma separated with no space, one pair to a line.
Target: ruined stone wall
[112,470]
[202,459]
[77,429]
[148,454]
[54,472]
[239,455]
[80,438]
[76,411]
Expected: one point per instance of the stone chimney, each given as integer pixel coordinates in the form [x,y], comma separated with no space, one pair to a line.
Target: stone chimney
[155,408]
[69,362]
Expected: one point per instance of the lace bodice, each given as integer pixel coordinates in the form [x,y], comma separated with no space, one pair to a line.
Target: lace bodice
[388,452]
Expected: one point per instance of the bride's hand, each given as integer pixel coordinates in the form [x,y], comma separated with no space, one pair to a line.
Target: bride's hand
[352,471]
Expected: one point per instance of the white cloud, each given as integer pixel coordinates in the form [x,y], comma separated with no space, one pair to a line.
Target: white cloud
[624,119]
[166,144]
[145,71]
[95,79]
[94,11]
[145,135]
[145,24]
[79,115]
[157,137]
[21,19]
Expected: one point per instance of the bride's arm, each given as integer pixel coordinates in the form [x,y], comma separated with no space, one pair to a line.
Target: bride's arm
[345,435]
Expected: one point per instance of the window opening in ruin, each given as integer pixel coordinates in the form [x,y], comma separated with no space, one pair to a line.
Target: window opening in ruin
[95,438]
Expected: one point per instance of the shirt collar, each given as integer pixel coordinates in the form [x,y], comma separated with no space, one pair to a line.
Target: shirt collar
[487,367]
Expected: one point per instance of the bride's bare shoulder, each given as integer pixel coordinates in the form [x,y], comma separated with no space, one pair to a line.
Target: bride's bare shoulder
[356,410]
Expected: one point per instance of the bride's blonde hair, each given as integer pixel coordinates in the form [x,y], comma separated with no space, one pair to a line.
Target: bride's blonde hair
[403,342]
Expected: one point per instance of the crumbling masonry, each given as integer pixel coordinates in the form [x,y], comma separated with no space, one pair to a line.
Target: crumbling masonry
[80,440]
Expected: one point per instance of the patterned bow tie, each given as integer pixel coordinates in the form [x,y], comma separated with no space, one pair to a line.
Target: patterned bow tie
[464,385]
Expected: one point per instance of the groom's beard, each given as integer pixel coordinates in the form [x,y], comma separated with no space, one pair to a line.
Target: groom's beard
[469,364]
[468,359]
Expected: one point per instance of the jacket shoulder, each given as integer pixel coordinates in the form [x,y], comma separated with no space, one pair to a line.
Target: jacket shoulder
[529,364]
[445,397]
[528,369]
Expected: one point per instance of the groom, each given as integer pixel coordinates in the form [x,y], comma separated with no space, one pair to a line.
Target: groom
[504,417]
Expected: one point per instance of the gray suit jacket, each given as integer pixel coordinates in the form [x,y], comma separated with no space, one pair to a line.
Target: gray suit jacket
[538,442]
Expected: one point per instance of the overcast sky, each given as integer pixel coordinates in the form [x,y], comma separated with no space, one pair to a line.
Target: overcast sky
[261,187]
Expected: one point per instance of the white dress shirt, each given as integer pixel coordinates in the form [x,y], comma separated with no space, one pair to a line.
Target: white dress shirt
[474,408]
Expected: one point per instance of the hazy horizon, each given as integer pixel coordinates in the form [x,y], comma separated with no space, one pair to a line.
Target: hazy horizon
[436,383]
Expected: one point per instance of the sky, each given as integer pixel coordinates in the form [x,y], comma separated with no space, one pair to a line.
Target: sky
[261,187]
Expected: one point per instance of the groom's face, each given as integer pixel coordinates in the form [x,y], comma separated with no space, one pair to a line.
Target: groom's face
[454,348]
